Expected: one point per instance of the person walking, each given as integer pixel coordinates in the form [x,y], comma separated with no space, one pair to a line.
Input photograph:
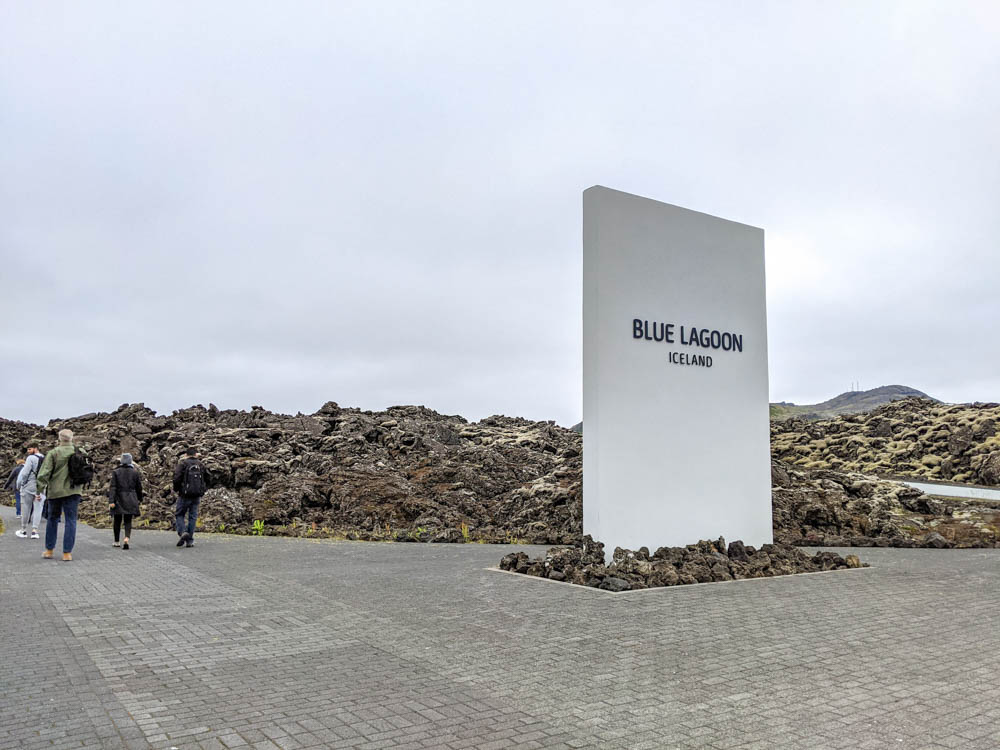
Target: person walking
[11,484]
[191,480]
[124,497]
[27,485]
[65,471]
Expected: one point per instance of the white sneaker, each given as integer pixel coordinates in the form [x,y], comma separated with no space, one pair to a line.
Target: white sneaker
[34,535]
[21,533]
[17,516]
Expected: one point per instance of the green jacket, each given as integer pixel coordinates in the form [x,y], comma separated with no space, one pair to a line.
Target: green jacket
[53,478]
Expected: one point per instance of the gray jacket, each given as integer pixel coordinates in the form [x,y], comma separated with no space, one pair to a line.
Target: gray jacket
[27,479]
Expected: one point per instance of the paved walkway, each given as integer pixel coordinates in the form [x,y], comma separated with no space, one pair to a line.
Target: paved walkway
[277,643]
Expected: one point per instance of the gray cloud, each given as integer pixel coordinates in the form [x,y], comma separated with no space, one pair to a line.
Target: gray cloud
[379,203]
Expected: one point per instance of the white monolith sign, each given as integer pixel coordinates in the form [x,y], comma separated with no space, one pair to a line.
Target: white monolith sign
[675,397]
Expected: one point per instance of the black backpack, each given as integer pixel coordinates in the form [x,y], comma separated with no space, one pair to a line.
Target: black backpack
[38,465]
[81,470]
[193,484]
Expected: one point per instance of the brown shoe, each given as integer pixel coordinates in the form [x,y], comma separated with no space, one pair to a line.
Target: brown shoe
[67,557]
[47,554]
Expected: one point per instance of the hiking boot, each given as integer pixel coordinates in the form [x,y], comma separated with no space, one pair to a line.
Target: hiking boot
[67,557]
[34,533]
[125,544]
[185,538]
[21,533]
[47,554]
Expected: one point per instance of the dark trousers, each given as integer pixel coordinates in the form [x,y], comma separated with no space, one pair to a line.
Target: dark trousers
[66,507]
[128,524]
[186,506]
[17,501]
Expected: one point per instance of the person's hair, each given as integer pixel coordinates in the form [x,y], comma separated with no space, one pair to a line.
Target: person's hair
[32,446]
[191,451]
[65,436]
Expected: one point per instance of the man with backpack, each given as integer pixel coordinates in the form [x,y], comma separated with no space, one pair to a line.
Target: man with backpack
[190,483]
[64,473]
[27,485]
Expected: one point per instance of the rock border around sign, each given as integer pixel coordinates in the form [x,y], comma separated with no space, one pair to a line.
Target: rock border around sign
[704,562]
[578,586]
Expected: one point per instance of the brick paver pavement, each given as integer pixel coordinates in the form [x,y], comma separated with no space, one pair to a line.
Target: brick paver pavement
[277,643]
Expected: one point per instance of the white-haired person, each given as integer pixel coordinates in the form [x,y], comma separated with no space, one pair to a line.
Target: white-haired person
[64,473]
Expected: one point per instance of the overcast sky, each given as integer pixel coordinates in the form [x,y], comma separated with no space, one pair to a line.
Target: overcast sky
[380,203]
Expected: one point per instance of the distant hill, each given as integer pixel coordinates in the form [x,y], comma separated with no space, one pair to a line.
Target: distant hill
[850,402]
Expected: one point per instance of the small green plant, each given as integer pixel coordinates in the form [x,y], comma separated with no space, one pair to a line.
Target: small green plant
[464,528]
[222,528]
[418,532]
[258,528]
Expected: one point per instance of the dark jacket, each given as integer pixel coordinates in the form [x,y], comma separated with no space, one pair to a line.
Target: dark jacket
[12,479]
[182,468]
[126,491]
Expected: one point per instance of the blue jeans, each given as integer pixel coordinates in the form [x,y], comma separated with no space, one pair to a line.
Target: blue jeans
[17,501]
[186,506]
[65,506]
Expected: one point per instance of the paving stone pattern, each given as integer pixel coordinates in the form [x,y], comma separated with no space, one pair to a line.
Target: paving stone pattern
[246,642]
